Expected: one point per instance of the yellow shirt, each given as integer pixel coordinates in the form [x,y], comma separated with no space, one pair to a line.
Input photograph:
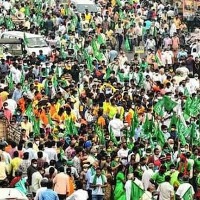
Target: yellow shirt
[22,10]
[88,17]
[15,163]
[112,111]
[3,170]
[105,107]
[28,127]
[4,95]
[39,86]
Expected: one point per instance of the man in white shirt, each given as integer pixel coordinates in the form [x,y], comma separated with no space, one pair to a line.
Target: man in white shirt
[166,191]
[97,183]
[123,154]
[12,105]
[36,180]
[31,151]
[147,176]
[50,151]
[79,194]
[116,125]
[128,185]
[185,187]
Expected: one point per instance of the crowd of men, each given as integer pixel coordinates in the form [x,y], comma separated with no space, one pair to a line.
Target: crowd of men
[112,113]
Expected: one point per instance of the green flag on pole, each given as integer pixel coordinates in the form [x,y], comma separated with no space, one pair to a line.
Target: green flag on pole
[134,124]
[108,72]
[136,191]
[168,103]
[27,11]
[112,137]
[187,106]
[193,133]
[140,79]
[127,45]
[63,54]
[9,23]
[10,82]
[158,107]
[181,128]
[36,126]
[70,128]
[159,136]
[173,120]
[100,133]
[25,39]
[194,108]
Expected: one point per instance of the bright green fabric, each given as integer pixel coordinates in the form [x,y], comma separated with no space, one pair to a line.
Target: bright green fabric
[119,192]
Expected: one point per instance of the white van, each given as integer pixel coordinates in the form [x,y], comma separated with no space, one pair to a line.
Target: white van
[82,5]
[33,43]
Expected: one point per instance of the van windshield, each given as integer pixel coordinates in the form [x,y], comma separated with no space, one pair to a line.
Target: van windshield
[90,7]
[36,42]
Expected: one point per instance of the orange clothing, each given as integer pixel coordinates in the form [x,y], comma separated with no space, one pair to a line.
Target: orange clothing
[21,104]
[8,148]
[59,118]
[101,121]
[71,185]
[52,110]
[44,118]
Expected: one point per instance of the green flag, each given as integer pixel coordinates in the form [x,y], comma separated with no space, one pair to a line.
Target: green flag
[108,72]
[70,128]
[136,191]
[36,126]
[10,82]
[193,133]
[146,125]
[158,107]
[9,23]
[168,103]
[89,63]
[62,154]
[181,128]
[134,124]
[173,120]
[127,45]
[159,136]
[188,194]
[27,11]
[100,133]
[186,92]
[194,107]
[29,112]
[100,39]
[140,79]
[121,14]
[118,2]
[112,137]
[25,39]
[120,76]
[63,54]
[99,56]
[187,107]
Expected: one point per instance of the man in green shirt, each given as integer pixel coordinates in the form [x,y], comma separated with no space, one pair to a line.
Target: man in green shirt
[159,177]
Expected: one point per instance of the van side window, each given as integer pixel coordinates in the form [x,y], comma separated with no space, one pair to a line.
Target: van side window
[5,36]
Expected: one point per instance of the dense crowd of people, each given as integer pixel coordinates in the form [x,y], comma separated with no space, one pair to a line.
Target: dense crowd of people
[112,112]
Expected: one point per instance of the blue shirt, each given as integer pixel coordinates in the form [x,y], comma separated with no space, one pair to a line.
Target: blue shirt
[148,24]
[112,55]
[48,194]
[17,94]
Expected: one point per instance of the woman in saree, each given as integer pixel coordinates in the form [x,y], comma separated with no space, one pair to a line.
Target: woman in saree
[119,192]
